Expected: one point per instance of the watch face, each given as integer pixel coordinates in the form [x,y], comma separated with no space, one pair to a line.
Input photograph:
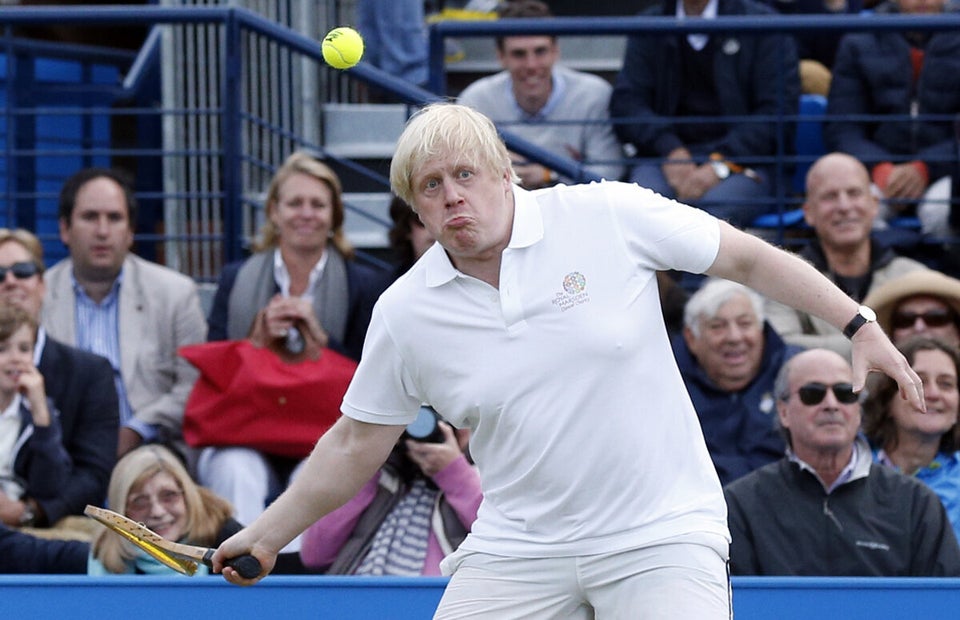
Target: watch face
[721,169]
[868,313]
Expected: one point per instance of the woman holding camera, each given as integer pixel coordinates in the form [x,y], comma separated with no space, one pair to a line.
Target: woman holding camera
[391,527]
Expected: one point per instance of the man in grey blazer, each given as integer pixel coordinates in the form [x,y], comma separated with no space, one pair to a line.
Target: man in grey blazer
[136,313]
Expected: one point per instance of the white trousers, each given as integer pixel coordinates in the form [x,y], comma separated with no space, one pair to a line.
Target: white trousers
[673,581]
[245,478]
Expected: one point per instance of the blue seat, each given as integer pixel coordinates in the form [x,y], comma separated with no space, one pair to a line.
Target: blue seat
[808,146]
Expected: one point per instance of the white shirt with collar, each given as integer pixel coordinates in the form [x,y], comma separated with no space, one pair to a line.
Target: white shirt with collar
[584,434]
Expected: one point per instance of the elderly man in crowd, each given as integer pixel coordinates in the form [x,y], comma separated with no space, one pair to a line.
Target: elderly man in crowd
[729,356]
[852,516]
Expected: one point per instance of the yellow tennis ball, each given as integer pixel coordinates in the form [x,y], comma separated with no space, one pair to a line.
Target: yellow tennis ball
[342,48]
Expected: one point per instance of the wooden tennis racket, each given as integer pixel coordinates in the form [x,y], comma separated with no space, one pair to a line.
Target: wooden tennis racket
[180,557]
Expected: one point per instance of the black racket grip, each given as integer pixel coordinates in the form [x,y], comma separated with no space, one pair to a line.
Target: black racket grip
[246,565]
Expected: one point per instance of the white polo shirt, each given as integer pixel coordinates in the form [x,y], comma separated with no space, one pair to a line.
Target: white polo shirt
[583,432]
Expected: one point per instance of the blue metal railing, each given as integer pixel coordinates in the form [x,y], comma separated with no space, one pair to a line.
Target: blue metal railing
[237,23]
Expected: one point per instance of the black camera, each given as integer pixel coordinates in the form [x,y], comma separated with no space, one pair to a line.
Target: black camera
[426,427]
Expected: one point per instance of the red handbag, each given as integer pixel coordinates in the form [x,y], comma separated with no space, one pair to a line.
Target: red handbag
[247,396]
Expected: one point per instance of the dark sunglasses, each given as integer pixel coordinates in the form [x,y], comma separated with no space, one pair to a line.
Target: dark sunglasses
[931,318]
[814,393]
[21,271]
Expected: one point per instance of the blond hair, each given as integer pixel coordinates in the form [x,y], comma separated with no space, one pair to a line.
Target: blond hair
[445,130]
[206,511]
[301,162]
[28,240]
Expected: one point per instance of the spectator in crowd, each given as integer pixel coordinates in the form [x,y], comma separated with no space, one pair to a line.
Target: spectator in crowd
[395,37]
[301,281]
[150,485]
[840,208]
[924,446]
[817,49]
[24,554]
[556,108]
[729,356]
[33,459]
[923,303]
[826,508]
[903,75]
[417,509]
[109,301]
[534,321]
[715,164]
[79,383]
[408,237]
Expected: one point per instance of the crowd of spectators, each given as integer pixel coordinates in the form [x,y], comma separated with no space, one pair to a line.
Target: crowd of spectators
[93,392]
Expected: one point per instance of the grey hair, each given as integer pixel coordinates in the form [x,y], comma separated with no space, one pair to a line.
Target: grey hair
[712,294]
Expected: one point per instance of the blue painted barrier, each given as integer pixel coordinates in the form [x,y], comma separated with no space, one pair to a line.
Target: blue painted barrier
[372,598]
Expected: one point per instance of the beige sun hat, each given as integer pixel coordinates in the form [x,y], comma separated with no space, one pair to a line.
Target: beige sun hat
[885,298]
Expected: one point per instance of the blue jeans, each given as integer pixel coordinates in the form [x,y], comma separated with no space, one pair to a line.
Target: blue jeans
[737,199]
[395,37]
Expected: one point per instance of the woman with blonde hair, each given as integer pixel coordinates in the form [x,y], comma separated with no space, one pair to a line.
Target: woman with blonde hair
[299,293]
[151,486]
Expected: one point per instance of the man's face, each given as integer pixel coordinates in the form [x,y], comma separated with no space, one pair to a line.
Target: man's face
[730,344]
[530,60]
[839,205]
[924,315]
[26,293]
[467,208]
[99,232]
[829,425]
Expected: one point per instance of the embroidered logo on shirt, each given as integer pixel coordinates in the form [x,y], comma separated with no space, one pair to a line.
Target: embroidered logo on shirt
[574,291]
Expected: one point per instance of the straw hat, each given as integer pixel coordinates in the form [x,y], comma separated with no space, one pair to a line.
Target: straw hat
[885,298]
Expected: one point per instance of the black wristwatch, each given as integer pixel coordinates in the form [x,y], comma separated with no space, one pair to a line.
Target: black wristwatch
[863,316]
[29,516]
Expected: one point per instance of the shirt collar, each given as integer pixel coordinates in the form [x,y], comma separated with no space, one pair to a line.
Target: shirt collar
[38,348]
[858,466]
[109,299]
[527,230]
[697,40]
[282,275]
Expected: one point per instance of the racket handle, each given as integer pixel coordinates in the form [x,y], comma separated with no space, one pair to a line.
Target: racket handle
[246,565]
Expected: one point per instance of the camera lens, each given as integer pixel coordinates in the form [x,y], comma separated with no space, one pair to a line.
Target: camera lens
[426,426]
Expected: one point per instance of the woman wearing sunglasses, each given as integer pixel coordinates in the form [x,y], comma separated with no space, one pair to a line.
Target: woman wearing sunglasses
[921,445]
[920,303]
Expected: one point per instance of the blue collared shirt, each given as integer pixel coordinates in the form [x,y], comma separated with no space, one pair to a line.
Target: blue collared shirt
[98,332]
[943,476]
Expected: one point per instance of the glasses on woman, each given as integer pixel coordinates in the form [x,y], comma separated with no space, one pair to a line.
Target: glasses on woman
[931,318]
[20,271]
[813,393]
[142,503]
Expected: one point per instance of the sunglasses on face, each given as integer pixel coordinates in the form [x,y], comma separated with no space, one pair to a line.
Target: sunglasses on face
[931,318]
[20,271]
[814,393]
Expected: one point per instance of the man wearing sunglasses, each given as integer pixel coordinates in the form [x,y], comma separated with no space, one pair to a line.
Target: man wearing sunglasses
[105,299]
[924,303]
[825,508]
